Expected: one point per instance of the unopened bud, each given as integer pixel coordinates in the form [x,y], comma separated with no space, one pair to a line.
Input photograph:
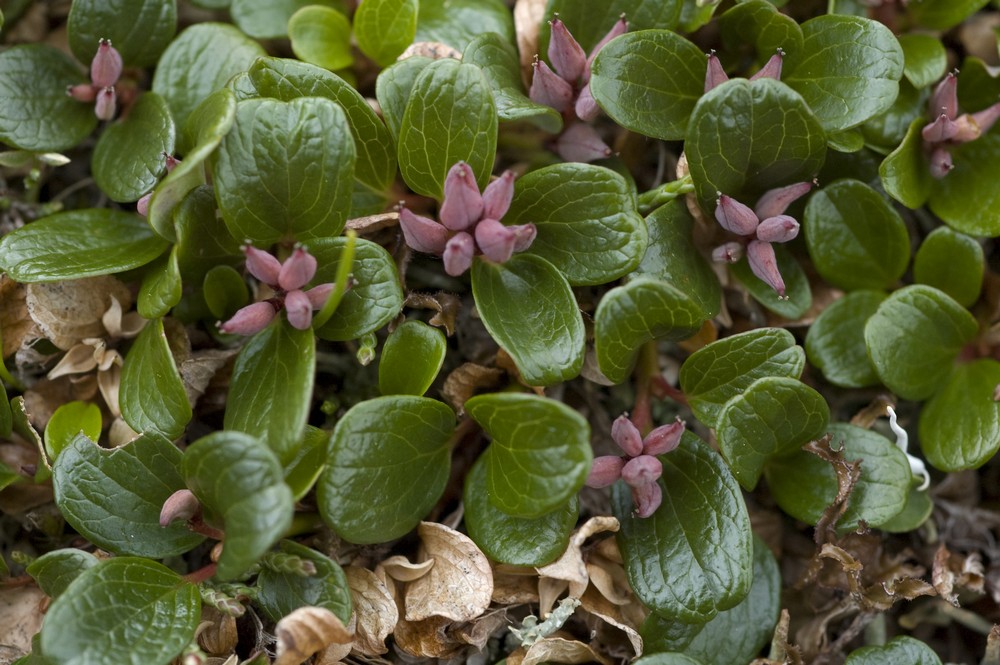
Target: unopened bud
[647,498]
[942,129]
[549,88]
[181,505]
[106,104]
[582,143]
[586,107]
[422,233]
[642,470]
[170,161]
[142,205]
[780,228]
[604,471]
[970,126]
[619,28]
[776,201]
[664,438]
[495,240]
[249,320]
[715,75]
[944,100]
[524,235]
[627,436]
[463,205]
[498,195]
[730,252]
[297,270]
[458,254]
[299,309]
[82,93]
[318,295]
[734,216]
[565,53]
[772,68]
[106,67]
[262,265]
[941,164]
[764,264]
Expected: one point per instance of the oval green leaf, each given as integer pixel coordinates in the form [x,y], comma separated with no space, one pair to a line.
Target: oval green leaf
[384,28]
[902,649]
[411,359]
[760,21]
[153,398]
[960,425]
[268,19]
[393,88]
[321,36]
[161,287]
[952,262]
[138,29]
[280,593]
[67,421]
[458,22]
[924,59]
[55,570]
[128,160]
[966,198]
[944,14]
[905,173]
[835,342]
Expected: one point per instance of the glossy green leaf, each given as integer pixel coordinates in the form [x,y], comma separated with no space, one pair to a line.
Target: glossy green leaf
[269,19]
[310,459]
[35,111]
[587,224]
[797,291]
[203,241]
[78,243]
[952,262]
[966,198]
[760,21]
[924,58]
[886,131]
[905,173]
[161,287]
[411,359]
[944,14]
[667,658]
[393,88]
[589,22]
[143,473]
[458,22]
[835,342]
[649,82]
[631,315]
[855,238]
[321,36]
[917,510]
[138,29]
[978,84]
[450,116]
[199,62]
[960,425]
[225,291]
[152,394]
[899,650]
[804,485]
[529,309]
[540,454]
[500,64]
[271,389]
[847,71]
[388,463]
[849,140]
[285,170]
[716,373]
[514,540]
[384,28]
[67,421]
[914,337]
[747,137]
[238,478]
[372,302]
[735,635]
[693,557]
[128,158]
[280,593]
[53,571]
[694,16]
[123,611]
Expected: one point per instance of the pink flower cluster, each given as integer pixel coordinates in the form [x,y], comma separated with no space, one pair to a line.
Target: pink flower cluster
[470,223]
[105,70]
[948,129]
[639,467]
[716,76]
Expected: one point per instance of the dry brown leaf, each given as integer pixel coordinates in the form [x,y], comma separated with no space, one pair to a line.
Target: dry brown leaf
[446,305]
[402,569]
[514,585]
[953,571]
[460,584]
[217,632]
[479,631]
[432,50]
[428,638]
[559,650]
[198,370]
[571,566]
[336,653]
[20,615]
[847,474]
[306,631]
[374,608]
[69,311]
[549,591]
[373,223]
[17,326]
[627,618]
[465,380]
[610,580]
[528,17]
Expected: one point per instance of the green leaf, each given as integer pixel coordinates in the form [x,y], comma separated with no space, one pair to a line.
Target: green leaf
[393,88]
[152,394]
[239,479]
[667,658]
[886,131]
[540,455]
[587,224]
[35,111]
[53,571]
[123,611]
[978,84]
[514,540]
[500,64]
[389,461]
[761,22]
[649,82]
[199,62]
[301,473]
[271,389]
[6,418]
[529,309]
[694,16]
[161,287]
[944,14]
[411,359]
[321,36]
[384,28]
[225,291]
[458,22]
[804,485]
[855,238]
[960,425]
[285,171]
[67,421]
[906,172]
[280,593]
[629,316]
[203,241]
[797,291]
[269,19]
[914,337]
[925,59]
[849,140]
[693,557]
[952,262]
[143,473]
[899,650]
[735,635]
[138,29]
[78,243]
[747,137]
[966,198]
[714,374]
[847,71]
[918,509]
[835,342]
[450,116]
[370,304]
[589,22]
[128,159]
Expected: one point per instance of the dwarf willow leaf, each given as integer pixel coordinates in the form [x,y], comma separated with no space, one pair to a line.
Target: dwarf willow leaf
[280,593]
[321,36]
[161,287]
[53,571]
[268,19]
[960,425]
[944,14]
[900,649]
[953,262]
[384,28]
[128,159]
[966,198]
[393,88]
[458,22]
[835,342]
[924,59]
[905,172]
[760,21]
[152,394]
[411,359]
[138,29]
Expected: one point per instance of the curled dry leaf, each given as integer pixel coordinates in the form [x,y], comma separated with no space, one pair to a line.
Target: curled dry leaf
[306,631]
[17,326]
[71,310]
[374,609]
[373,223]
[199,370]
[514,585]
[609,579]
[953,572]
[217,632]
[432,50]
[847,473]
[336,653]
[402,569]
[559,650]
[428,638]
[446,305]
[460,584]
[467,379]
[570,567]
[479,631]
[21,615]
[627,618]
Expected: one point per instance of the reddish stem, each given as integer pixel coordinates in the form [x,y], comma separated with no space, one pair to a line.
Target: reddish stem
[201,574]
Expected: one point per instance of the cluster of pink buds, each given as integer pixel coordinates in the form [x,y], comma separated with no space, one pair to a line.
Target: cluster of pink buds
[950,129]
[142,205]
[716,76]
[470,223]
[286,280]
[567,90]
[639,467]
[757,228]
[105,70]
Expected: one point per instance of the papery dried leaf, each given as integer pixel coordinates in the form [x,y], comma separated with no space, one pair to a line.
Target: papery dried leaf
[460,584]
[21,615]
[849,565]
[515,587]
[375,609]
[559,650]
[867,416]
[120,433]
[528,17]
[781,651]
[336,653]
[68,311]
[217,632]
[17,326]
[432,50]
[992,655]
[403,570]
[445,304]
[305,631]
[847,474]
[428,638]
[952,571]
[571,566]
[628,617]
[549,591]
[47,395]
[198,370]
[372,223]
[466,380]
[609,579]
[479,631]
[880,597]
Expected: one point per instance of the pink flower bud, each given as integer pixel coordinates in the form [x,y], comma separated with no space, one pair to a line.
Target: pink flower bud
[944,100]
[299,309]
[565,53]
[735,217]
[970,126]
[730,252]
[642,470]
[627,436]
[549,89]
[664,438]
[142,205]
[262,265]
[619,28]
[170,161]
[181,505]
[780,228]
[422,234]
[581,143]
[715,75]
[986,118]
[604,471]
[83,92]
[495,240]
[942,129]
[463,205]
[318,295]
[297,270]
[586,107]
[249,320]
[106,104]
[776,201]
[764,264]
[941,164]
[524,235]
[498,195]
[647,498]
[772,68]
[458,254]
[106,67]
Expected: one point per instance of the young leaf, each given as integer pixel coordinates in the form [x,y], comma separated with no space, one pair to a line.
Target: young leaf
[835,342]
[138,29]
[902,649]
[268,19]
[796,285]
[905,173]
[458,22]
[321,36]
[67,421]
[411,359]
[384,28]
[960,425]
[280,593]
[540,455]
[389,460]
[152,394]
[53,571]
[953,262]
[924,59]
[966,198]
[161,287]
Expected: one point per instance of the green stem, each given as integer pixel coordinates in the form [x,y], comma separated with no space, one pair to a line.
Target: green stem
[340,286]
[665,193]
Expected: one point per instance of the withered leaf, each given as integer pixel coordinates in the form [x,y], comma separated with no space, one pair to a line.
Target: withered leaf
[71,310]
[17,326]
[373,223]
[479,631]
[847,474]
[402,569]
[528,17]
[374,608]
[217,632]
[627,618]
[428,638]
[305,631]
[460,584]
[514,585]
[198,370]
[571,567]
[466,380]
[952,571]
[21,615]
[559,650]
[432,50]
[446,306]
